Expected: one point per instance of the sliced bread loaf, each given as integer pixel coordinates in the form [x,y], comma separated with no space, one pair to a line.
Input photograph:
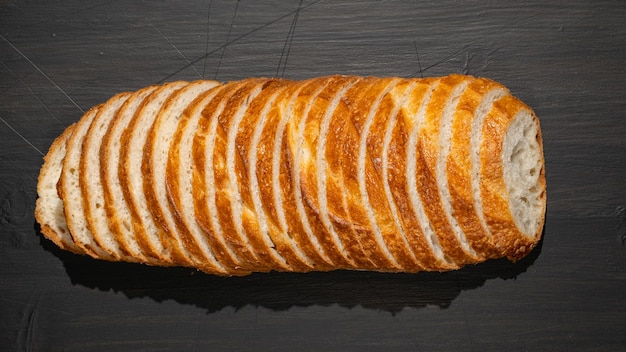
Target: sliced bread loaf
[337,172]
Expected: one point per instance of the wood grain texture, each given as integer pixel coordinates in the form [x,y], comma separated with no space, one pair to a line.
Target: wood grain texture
[565,59]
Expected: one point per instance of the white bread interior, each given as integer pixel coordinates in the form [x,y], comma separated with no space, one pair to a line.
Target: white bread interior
[522,162]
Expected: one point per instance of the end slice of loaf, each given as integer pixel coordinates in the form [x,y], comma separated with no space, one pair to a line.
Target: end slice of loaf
[49,211]
[512,177]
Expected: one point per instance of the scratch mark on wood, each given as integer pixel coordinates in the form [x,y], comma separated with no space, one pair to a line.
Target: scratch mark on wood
[287,45]
[41,72]
[465,68]
[419,62]
[230,30]
[620,212]
[21,136]
[45,106]
[26,334]
[172,44]
[267,24]
[206,48]
[477,39]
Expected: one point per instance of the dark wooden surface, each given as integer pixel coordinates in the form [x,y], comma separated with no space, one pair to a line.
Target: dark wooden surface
[564,58]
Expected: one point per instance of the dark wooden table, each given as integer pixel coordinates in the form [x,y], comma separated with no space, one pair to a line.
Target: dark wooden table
[564,58]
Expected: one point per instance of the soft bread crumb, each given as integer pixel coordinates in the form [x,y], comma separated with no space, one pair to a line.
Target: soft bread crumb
[522,163]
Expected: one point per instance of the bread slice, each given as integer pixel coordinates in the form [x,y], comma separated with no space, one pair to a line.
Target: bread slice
[512,177]
[155,242]
[49,211]
[362,183]
[251,225]
[116,205]
[90,181]
[70,190]
[153,166]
